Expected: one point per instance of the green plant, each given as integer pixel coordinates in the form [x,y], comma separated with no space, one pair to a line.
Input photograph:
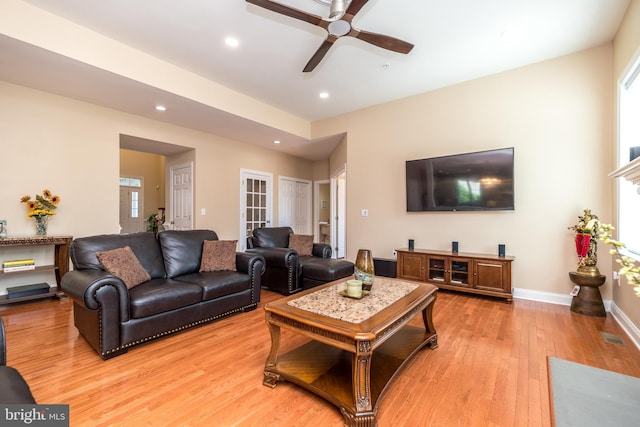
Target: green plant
[155,221]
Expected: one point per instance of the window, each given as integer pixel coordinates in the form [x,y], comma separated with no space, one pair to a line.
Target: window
[629,136]
[130,182]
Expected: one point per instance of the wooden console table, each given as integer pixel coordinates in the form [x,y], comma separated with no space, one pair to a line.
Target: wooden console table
[482,274]
[60,264]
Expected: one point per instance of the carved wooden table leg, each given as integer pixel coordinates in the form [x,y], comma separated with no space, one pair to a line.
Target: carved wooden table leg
[427,318]
[271,378]
[364,415]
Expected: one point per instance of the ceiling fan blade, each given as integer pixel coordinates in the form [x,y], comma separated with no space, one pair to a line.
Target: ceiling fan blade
[320,53]
[385,42]
[355,7]
[287,11]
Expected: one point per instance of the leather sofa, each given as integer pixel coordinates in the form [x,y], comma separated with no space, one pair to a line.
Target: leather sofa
[289,272]
[14,388]
[112,317]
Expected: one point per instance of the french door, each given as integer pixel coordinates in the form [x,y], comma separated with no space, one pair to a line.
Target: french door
[256,192]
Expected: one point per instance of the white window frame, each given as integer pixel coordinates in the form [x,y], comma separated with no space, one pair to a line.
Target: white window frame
[628,201]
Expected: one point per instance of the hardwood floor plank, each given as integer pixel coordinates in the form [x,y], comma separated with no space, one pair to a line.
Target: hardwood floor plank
[490,368]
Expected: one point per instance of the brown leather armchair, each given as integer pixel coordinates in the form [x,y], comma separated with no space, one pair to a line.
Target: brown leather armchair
[286,271]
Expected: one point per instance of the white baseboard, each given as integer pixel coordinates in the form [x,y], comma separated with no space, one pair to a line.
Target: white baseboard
[561,299]
[625,323]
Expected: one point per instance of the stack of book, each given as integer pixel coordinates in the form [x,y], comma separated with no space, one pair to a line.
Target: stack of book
[18,265]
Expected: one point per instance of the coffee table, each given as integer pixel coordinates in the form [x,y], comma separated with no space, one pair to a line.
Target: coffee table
[356,346]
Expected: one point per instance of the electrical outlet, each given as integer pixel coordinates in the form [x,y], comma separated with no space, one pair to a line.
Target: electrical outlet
[395,253]
[203,211]
[364,212]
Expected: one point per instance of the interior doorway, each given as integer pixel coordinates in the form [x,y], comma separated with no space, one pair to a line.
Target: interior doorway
[339,213]
[152,161]
[322,211]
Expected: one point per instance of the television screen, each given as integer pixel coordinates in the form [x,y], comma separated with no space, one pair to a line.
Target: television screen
[463,182]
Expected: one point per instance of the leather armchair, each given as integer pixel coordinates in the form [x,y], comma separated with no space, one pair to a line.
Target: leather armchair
[14,388]
[284,265]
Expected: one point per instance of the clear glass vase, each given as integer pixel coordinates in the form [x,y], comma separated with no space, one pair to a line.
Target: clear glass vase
[41,225]
[364,268]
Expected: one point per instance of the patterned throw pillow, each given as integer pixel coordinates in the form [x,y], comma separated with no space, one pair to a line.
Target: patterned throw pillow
[301,243]
[122,262]
[218,255]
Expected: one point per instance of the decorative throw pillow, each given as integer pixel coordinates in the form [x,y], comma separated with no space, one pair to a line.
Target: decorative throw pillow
[218,255]
[301,243]
[122,262]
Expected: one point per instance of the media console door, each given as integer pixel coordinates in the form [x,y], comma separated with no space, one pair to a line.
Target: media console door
[473,273]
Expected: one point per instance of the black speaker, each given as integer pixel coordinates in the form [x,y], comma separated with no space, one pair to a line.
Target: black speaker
[454,247]
[502,251]
[634,152]
[385,267]
[410,244]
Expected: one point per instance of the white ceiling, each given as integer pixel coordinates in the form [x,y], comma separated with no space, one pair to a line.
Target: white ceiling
[455,41]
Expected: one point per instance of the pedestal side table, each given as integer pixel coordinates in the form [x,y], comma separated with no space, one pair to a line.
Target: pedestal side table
[589,300]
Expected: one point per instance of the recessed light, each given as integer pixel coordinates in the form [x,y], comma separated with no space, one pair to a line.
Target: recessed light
[161,108]
[276,142]
[324,95]
[231,42]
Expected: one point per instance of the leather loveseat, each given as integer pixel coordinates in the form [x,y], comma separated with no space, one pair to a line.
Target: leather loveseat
[113,317]
[13,388]
[290,269]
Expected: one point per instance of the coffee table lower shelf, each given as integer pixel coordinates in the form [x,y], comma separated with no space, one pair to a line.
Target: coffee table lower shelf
[327,371]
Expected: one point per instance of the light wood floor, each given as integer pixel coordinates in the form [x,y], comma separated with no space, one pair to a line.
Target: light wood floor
[490,369]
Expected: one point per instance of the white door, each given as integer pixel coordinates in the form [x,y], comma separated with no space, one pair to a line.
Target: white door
[131,203]
[339,214]
[256,192]
[294,207]
[181,195]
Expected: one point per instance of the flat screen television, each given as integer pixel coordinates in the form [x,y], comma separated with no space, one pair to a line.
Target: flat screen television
[480,181]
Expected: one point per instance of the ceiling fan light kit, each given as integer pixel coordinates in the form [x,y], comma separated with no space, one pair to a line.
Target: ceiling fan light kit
[341,13]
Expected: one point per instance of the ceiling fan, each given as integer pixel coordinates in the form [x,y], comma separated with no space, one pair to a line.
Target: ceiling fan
[338,25]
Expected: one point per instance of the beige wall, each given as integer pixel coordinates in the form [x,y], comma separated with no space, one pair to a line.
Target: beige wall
[557,115]
[626,49]
[72,148]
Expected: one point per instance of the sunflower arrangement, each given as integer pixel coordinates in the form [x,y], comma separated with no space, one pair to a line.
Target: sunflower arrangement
[44,204]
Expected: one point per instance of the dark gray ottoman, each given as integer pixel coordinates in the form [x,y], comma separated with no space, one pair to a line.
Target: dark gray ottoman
[316,271]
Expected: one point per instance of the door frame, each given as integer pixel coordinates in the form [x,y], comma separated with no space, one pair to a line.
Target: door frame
[339,215]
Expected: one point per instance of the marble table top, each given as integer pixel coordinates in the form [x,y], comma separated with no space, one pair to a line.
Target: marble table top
[329,302]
